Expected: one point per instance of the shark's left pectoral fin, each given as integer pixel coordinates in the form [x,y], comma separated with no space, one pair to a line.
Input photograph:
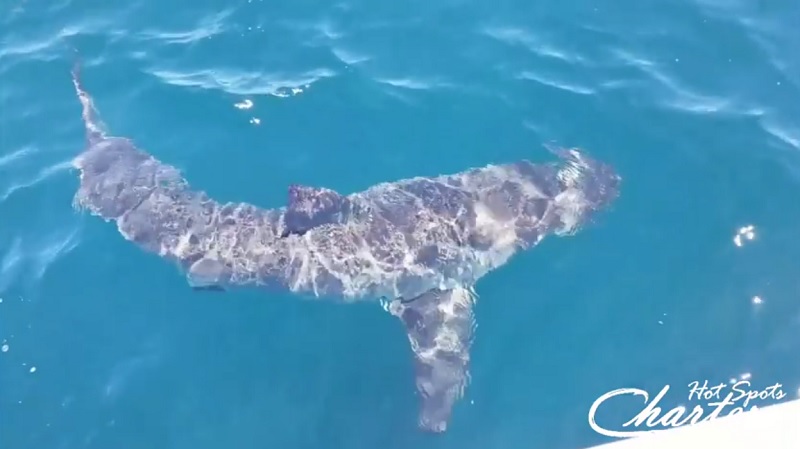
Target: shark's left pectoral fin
[440,326]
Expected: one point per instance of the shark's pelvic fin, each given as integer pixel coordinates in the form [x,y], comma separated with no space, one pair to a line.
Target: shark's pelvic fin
[440,326]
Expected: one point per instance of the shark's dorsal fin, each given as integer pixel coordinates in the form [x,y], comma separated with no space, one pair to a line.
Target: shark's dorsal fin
[440,325]
[309,207]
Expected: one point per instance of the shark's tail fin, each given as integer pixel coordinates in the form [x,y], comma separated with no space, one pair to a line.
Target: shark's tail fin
[95,129]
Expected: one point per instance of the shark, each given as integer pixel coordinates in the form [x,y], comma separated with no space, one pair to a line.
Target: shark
[415,246]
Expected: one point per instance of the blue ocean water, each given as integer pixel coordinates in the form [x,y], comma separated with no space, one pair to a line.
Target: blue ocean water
[696,103]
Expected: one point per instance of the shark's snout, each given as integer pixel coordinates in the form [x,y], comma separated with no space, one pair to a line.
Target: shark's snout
[598,181]
[602,184]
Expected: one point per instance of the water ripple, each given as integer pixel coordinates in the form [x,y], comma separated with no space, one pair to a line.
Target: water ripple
[536,44]
[37,253]
[556,83]
[17,155]
[785,132]
[674,93]
[349,57]
[241,82]
[414,83]
[208,26]
[40,177]
[10,263]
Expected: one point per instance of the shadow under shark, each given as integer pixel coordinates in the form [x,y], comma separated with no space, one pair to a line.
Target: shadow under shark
[418,245]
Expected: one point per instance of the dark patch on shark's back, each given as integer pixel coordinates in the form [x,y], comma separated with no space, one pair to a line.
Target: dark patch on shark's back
[531,223]
[535,207]
[310,207]
[440,198]
[543,176]
[505,201]
[386,240]
[396,206]
[429,256]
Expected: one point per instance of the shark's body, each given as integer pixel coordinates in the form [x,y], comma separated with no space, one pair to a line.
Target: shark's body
[420,244]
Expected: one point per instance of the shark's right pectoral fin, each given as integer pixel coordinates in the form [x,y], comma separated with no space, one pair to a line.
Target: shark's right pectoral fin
[210,288]
[440,327]
[207,274]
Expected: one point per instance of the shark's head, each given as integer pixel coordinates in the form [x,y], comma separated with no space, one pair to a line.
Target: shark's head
[585,187]
[598,181]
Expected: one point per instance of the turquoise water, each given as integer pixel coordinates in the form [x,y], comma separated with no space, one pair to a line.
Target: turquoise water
[696,103]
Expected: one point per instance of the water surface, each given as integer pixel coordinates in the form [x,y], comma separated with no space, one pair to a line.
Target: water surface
[696,103]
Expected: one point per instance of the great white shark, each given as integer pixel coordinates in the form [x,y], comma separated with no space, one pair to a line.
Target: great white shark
[417,246]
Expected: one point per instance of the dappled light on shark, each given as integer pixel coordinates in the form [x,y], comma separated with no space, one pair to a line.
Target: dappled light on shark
[417,245]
